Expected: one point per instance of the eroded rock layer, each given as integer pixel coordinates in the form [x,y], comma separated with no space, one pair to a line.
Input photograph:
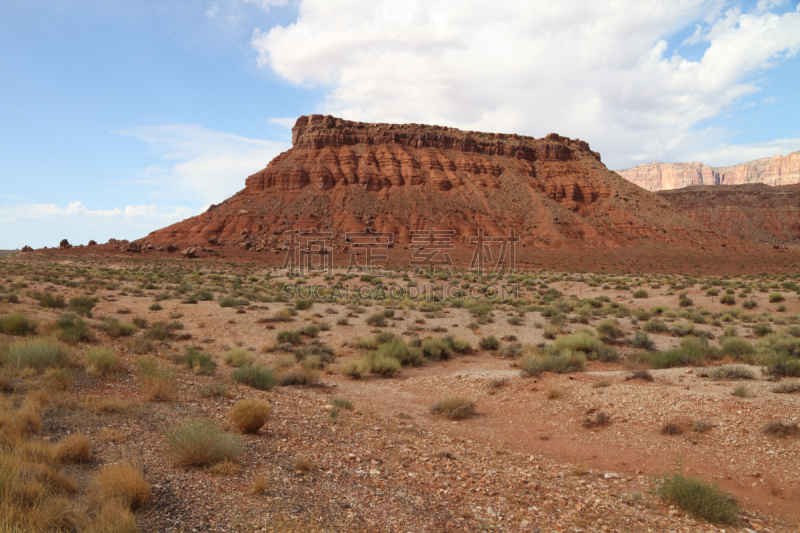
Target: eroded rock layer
[775,171]
[342,176]
[755,212]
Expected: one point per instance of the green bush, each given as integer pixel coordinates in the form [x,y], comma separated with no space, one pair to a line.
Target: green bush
[397,349]
[377,320]
[311,330]
[699,498]
[459,344]
[255,375]
[775,297]
[642,341]
[302,305]
[641,293]
[82,305]
[762,329]
[100,359]
[238,357]
[115,329]
[682,328]
[736,348]
[383,365]
[307,377]
[38,353]
[655,326]
[290,336]
[782,367]
[584,343]
[436,349]
[727,299]
[200,442]
[489,343]
[49,300]
[676,357]
[17,324]
[563,363]
[232,302]
[72,329]
[200,362]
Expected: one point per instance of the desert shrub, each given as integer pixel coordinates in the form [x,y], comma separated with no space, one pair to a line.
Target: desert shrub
[115,329]
[609,329]
[775,297]
[219,390]
[155,307]
[762,330]
[82,305]
[250,415]
[383,365]
[782,367]
[727,299]
[377,320]
[655,326]
[562,363]
[436,349]
[200,442]
[514,320]
[302,305]
[731,372]
[683,356]
[50,300]
[781,429]
[601,419]
[356,368]
[74,449]
[342,403]
[584,343]
[786,388]
[72,329]
[700,426]
[454,407]
[289,336]
[736,347]
[550,331]
[402,352]
[232,302]
[38,353]
[642,340]
[101,360]
[306,377]
[641,293]
[311,330]
[489,343]
[200,362]
[741,391]
[641,374]
[255,375]
[141,346]
[682,329]
[324,354]
[120,482]
[139,322]
[238,357]
[671,428]
[698,498]
[459,344]
[17,324]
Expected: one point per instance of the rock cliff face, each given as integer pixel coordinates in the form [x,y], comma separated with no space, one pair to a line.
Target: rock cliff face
[774,171]
[754,212]
[342,176]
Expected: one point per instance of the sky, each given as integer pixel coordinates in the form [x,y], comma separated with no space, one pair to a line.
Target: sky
[119,117]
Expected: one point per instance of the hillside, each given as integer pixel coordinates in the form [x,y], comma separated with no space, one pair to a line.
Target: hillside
[342,176]
[775,171]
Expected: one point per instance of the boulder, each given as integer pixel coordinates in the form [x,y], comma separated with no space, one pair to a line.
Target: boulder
[245,245]
[172,248]
[64,244]
[213,239]
[189,253]
[92,243]
[133,247]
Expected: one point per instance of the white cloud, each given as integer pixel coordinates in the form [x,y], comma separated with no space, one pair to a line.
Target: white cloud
[533,67]
[200,163]
[723,154]
[77,213]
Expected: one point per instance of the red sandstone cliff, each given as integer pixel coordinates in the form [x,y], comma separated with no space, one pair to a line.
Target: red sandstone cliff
[344,176]
[774,171]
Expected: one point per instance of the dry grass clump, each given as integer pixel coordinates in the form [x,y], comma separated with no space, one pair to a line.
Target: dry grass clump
[122,482]
[601,419]
[302,464]
[731,372]
[307,377]
[671,428]
[641,374]
[201,442]
[238,357]
[250,415]
[259,485]
[781,429]
[356,368]
[17,324]
[256,375]
[786,388]
[563,363]
[74,449]
[159,383]
[553,392]
[454,407]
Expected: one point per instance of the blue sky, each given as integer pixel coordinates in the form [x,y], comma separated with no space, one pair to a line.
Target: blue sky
[149,128]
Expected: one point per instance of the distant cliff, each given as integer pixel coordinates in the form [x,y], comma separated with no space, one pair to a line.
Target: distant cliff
[773,171]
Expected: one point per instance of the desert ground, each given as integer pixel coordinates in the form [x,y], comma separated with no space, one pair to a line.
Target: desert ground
[153,393]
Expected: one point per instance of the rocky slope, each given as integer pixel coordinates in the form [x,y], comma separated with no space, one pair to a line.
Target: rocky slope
[342,176]
[656,176]
[754,212]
